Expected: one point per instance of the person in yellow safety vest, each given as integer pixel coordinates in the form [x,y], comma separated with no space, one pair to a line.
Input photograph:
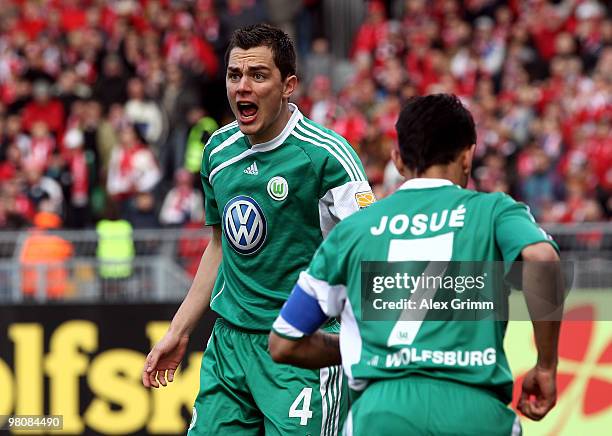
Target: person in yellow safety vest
[198,136]
[115,254]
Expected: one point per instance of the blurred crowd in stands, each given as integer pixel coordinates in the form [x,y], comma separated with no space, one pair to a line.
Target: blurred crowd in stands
[104,104]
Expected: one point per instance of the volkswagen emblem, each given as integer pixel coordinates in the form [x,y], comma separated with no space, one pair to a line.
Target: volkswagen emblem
[245,225]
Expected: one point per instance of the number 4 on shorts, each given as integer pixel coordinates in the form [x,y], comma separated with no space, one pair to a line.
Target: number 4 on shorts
[304,413]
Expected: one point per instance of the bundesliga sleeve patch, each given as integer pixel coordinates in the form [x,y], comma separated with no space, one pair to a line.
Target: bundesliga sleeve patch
[364,199]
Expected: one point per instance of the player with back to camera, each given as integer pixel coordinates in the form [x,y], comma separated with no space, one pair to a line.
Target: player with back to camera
[275,184]
[459,382]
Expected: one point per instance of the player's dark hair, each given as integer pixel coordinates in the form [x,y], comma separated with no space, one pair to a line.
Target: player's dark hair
[433,130]
[258,35]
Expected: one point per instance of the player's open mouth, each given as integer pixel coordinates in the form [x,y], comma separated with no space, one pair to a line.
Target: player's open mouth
[247,111]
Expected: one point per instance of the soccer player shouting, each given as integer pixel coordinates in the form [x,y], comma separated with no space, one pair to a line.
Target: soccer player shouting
[422,376]
[275,184]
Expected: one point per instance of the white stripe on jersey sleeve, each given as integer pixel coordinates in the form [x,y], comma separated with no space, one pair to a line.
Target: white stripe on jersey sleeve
[333,301]
[338,203]
[351,345]
[341,152]
[326,147]
[345,148]
[331,298]
[229,141]
[221,130]
[283,328]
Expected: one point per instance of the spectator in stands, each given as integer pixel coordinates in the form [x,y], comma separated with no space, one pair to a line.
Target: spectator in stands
[42,145]
[107,136]
[90,125]
[207,23]
[319,61]
[12,164]
[68,89]
[36,70]
[143,214]
[320,102]
[17,92]
[78,213]
[43,108]
[143,113]
[44,192]
[178,97]
[372,30]
[579,205]
[182,204]
[16,199]
[10,218]
[111,85]
[202,127]
[184,48]
[132,170]
[16,135]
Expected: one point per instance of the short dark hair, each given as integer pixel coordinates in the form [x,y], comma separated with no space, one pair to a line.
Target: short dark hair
[258,35]
[433,130]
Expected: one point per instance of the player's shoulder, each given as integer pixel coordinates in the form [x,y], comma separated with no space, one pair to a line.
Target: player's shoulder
[501,200]
[226,133]
[220,140]
[498,203]
[312,135]
[491,199]
[326,149]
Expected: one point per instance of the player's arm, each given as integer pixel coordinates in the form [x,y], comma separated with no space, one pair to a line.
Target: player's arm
[318,350]
[167,354]
[197,300]
[520,238]
[296,339]
[543,291]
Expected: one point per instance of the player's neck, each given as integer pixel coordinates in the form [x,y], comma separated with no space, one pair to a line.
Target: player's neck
[274,129]
[452,172]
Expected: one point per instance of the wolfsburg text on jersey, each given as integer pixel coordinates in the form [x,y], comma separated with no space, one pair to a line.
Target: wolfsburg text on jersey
[409,355]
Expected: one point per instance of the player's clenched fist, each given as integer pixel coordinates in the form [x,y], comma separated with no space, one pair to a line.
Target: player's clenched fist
[166,355]
[539,393]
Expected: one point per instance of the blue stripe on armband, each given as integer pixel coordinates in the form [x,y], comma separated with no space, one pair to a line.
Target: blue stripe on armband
[303,312]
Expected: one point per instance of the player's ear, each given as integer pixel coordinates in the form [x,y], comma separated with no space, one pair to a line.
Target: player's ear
[467,159]
[397,160]
[289,85]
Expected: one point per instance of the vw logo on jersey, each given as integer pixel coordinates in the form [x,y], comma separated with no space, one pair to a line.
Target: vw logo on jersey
[245,224]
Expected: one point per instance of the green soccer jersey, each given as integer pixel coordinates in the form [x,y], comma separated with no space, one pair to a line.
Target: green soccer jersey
[275,202]
[425,220]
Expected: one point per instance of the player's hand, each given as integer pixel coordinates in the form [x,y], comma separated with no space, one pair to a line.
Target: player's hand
[166,355]
[539,393]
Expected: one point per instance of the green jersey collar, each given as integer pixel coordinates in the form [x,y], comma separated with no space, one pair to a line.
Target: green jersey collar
[280,139]
[425,183]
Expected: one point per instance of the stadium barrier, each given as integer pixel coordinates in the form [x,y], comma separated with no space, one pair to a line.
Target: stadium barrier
[161,270]
[165,261]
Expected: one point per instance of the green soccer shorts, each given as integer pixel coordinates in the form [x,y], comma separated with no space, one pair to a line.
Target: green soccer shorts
[419,405]
[244,392]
